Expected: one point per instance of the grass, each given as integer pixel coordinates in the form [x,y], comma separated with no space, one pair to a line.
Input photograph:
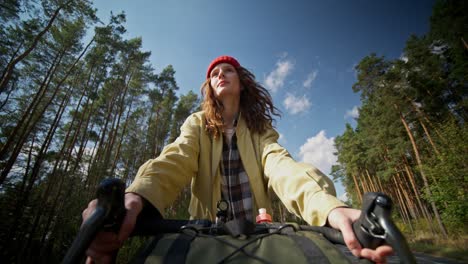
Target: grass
[421,240]
[453,248]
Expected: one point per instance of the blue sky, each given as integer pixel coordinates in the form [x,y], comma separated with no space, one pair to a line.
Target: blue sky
[304,52]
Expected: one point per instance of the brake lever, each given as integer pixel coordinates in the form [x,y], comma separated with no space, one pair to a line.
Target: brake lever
[111,195]
[108,216]
[375,226]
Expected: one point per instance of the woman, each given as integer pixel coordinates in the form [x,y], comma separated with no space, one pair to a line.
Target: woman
[229,151]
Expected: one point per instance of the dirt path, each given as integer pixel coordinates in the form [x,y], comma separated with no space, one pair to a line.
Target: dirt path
[420,258]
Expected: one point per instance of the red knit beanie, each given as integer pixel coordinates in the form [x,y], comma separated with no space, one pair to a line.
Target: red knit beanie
[221,59]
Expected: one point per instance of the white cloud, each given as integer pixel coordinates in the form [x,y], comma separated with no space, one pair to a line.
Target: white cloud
[352,69]
[295,104]
[404,58]
[281,138]
[318,151]
[344,197]
[275,79]
[353,113]
[310,78]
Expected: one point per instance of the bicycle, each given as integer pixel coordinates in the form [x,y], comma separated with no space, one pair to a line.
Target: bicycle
[372,229]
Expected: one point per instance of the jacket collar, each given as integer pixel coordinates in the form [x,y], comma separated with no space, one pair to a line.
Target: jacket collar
[241,124]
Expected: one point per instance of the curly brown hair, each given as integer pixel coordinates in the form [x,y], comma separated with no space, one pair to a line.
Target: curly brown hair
[255,105]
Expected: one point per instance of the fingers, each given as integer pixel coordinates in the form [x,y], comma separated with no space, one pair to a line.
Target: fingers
[341,215]
[105,244]
[134,205]
[98,258]
[379,255]
[89,210]
[342,219]
[350,239]
[89,260]
[103,248]
[128,225]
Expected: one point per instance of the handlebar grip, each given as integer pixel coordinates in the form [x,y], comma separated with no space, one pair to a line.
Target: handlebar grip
[111,197]
[375,227]
[367,230]
[109,214]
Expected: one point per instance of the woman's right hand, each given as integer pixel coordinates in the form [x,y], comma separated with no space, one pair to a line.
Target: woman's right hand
[105,244]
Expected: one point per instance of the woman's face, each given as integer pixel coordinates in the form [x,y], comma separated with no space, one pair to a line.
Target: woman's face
[225,81]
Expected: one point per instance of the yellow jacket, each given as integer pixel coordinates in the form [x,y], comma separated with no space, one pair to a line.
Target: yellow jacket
[195,156]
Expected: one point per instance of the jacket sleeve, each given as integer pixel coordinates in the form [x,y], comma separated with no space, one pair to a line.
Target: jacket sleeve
[302,188]
[160,180]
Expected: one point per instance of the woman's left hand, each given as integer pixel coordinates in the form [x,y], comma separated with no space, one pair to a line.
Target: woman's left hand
[341,218]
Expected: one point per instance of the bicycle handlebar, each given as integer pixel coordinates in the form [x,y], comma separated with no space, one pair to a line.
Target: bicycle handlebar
[108,215]
[375,226]
[151,227]
[372,229]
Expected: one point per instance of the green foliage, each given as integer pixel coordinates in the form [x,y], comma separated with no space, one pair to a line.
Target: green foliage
[449,26]
[450,171]
[71,114]
[10,9]
[187,104]
[411,127]
[66,121]
[132,248]
[179,209]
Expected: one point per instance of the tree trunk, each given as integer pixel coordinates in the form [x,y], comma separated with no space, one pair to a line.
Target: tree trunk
[85,135]
[29,128]
[30,125]
[371,184]
[421,169]
[11,66]
[429,138]
[417,194]
[119,145]
[13,56]
[40,158]
[7,97]
[117,126]
[425,118]
[87,113]
[380,183]
[358,190]
[464,43]
[97,167]
[405,197]
[403,209]
[365,185]
[27,115]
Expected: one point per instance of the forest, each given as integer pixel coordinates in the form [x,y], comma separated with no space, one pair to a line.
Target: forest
[79,103]
[75,108]
[410,140]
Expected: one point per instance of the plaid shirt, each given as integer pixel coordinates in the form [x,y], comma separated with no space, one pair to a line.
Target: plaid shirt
[235,186]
